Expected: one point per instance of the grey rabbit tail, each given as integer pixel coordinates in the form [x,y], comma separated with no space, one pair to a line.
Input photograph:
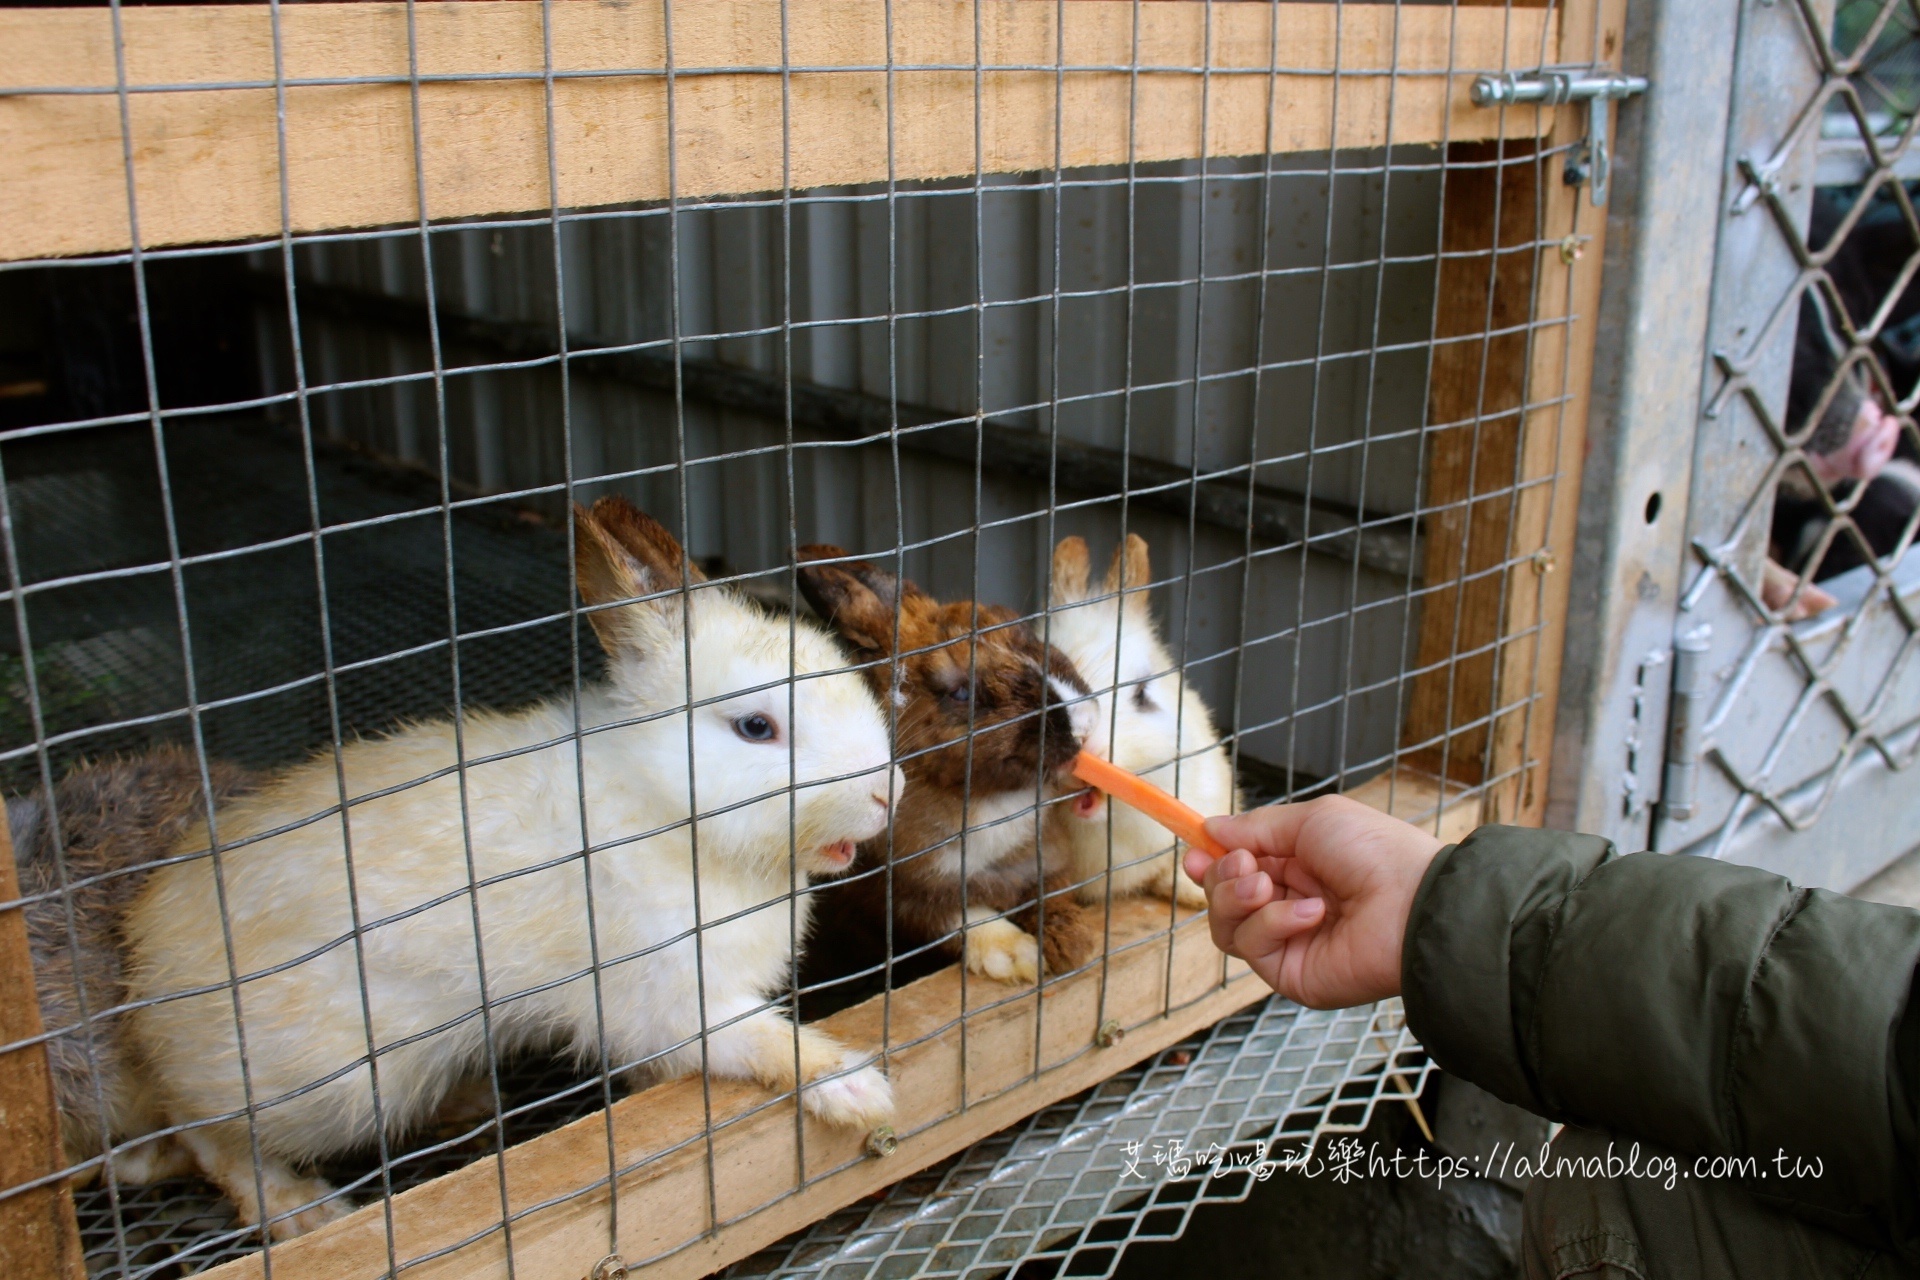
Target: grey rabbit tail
[116,818]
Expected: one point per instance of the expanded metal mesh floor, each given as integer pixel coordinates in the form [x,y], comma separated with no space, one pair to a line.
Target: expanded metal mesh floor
[1067,1191]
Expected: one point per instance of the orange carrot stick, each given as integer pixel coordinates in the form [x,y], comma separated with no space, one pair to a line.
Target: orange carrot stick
[1169,811]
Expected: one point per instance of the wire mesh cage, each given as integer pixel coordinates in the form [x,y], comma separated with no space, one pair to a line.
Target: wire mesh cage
[559,557]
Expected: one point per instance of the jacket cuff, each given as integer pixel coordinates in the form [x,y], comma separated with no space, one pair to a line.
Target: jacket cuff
[1483,914]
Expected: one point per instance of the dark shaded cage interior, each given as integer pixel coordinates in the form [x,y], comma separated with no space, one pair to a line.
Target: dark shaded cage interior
[269,503]
[1154,369]
[1856,353]
[1068,315]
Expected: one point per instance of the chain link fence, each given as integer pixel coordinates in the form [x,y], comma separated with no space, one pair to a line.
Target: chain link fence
[1793,684]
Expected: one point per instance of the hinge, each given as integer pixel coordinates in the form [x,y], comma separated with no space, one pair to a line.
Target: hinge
[1635,799]
[1686,725]
[1592,161]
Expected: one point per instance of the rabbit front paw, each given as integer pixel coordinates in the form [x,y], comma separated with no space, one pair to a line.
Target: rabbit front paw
[836,1082]
[1003,951]
[294,1204]
[313,1192]
[151,1161]
[858,1100]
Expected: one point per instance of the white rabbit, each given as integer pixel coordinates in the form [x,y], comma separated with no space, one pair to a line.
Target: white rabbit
[515,815]
[1156,720]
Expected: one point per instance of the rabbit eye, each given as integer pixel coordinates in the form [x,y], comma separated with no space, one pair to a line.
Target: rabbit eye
[755,727]
[961,694]
[1141,698]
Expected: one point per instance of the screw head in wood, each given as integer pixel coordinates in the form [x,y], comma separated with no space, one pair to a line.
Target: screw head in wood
[1543,561]
[1110,1034]
[882,1142]
[1571,249]
[611,1267]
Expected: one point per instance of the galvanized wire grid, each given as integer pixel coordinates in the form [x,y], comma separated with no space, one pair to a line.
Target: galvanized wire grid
[944,376]
[1775,714]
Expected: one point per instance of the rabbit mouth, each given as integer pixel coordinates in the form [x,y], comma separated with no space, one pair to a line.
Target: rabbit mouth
[1089,804]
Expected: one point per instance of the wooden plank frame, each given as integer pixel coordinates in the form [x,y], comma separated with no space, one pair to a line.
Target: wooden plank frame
[208,169]
[1508,400]
[206,142]
[38,1234]
[1552,452]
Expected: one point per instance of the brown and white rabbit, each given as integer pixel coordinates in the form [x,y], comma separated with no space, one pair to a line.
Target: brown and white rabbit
[693,718]
[970,845]
[115,819]
[1147,719]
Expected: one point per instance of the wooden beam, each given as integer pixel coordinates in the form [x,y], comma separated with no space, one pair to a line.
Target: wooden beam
[206,149]
[38,1234]
[1476,387]
[1478,378]
[1503,481]
[1554,448]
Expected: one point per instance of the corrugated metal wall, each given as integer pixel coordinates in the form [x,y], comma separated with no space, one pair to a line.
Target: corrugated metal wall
[1350,267]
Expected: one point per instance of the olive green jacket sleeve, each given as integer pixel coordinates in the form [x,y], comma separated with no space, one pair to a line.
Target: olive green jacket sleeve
[1709,1008]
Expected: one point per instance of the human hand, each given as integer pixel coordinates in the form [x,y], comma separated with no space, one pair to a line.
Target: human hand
[1870,445]
[1315,897]
[1777,585]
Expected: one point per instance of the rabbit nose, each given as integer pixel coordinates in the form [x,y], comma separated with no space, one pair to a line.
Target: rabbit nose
[880,798]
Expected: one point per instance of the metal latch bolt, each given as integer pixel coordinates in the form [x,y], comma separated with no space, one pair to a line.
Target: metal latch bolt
[1686,725]
[1592,162]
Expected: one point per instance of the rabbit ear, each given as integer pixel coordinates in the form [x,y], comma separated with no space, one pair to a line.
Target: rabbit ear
[1131,570]
[647,540]
[1072,565]
[621,553]
[856,598]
